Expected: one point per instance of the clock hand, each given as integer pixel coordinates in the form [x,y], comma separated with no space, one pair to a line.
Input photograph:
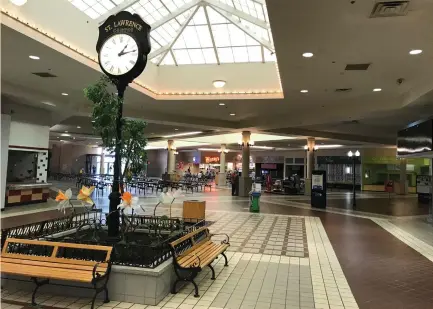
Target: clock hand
[121,53]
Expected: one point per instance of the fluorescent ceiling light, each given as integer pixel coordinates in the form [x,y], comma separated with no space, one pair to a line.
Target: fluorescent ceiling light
[328,146]
[377,89]
[261,147]
[65,134]
[34,57]
[209,149]
[176,129]
[78,127]
[219,83]
[415,51]
[307,55]
[18,2]
[221,104]
[48,103]
[182,134]
[232,114]
[304,91]
[64,93]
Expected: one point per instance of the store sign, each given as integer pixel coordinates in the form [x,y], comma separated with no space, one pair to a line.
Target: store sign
[209,160]
[268,166]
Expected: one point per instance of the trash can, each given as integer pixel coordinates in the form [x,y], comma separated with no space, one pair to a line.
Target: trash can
[255,199]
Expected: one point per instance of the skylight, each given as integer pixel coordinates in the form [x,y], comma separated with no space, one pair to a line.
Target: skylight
[197,31]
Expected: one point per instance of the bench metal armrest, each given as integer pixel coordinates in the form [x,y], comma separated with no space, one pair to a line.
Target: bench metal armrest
[225,241]
[97,275]
[197,263]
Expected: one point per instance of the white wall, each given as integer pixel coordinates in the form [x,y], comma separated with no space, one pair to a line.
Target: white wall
[28,135]
[5,127]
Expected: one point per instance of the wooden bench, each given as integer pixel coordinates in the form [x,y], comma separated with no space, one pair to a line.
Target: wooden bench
[26,258]
[193,252]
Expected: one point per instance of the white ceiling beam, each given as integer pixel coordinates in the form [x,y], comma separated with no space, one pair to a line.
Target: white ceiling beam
[175,13]
[238,24]
[124,5]
[231,10]
[211,34]
[165,49]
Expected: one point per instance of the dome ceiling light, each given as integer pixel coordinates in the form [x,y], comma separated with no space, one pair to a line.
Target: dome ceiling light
[307,55]
[415,52]
[219,83]
[18,2]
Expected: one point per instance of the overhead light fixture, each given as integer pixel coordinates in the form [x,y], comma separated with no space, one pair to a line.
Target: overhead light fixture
[93,121]
[183,134]
[415,51]
[18,2]
[34,57]
[176,129]
[262,147]
[232,114]
[219,83]
[307,55]
[66,131]
[64,93]
[78,127]
[221,104]
[328,146]
[48,103]
[377,89]
[209,149]
[304,91]
[65,134]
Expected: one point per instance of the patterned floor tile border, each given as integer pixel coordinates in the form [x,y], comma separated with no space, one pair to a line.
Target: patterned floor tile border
[418,245]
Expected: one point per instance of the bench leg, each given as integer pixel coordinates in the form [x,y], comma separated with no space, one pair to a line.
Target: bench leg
[38,285]
[225,257]
[213,272]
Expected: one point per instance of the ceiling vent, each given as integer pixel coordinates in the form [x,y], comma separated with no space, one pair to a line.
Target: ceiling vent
[44,74]
[357,67]
[390,8]
[343,89]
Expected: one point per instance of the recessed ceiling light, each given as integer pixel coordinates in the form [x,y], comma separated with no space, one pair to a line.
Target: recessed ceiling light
[307,55]
[73,137]
[48,103]
[34,57]
[18,2]
[219,83]
[377,89]
[221,104]
[232,114]
[64,93]
[65,134]
[415,51]
[78,127]
[176,129]
[304,91]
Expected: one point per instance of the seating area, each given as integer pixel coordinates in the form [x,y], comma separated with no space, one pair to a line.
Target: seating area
[193,252]
[46,260]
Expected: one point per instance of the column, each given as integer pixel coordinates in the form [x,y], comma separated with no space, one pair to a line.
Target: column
[171,157]
[311,143]
[245,181]
[102,163]
[222,174]
[403,180]
[5,130]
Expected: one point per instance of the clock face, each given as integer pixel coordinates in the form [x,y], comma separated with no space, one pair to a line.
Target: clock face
[119,54]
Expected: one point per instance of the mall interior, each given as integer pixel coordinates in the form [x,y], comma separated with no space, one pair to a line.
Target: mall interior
[283,158]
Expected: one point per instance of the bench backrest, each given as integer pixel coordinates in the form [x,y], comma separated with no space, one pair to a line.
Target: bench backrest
[51,250]
[190,242]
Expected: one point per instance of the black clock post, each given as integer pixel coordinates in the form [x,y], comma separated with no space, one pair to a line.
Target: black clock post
[132,25]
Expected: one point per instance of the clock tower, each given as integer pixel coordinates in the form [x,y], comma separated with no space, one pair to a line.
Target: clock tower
[123,45]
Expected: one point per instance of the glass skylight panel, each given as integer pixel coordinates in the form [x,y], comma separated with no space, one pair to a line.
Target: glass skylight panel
[196,56]
[182,56]
[254,53]
[269,56]
[215,18]
[240,54]
[95,8]
[209,55]
[168,60]
[199,18]
[225,55]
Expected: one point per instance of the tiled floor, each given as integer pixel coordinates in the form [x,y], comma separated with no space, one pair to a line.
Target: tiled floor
[290,256]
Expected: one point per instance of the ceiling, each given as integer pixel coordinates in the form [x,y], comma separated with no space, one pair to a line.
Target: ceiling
[336,32]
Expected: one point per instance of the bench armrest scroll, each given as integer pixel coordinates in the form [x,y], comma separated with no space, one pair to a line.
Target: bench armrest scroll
[97,275]
[225,241]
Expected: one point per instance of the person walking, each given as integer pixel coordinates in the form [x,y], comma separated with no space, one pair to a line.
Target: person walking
[233,181]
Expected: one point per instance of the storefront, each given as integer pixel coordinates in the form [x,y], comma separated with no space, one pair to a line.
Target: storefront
[269,165]
[377,170]
[339,170]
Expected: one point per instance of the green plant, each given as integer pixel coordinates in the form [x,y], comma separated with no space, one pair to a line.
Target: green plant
[105,109]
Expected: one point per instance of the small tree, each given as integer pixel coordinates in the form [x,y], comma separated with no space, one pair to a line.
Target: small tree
[105,110]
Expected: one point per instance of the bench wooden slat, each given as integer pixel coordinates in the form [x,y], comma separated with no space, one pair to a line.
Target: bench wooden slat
[51,264]
[58,244]
[47,272]
[187,236]
[217,251]
[206,256]
[51,259]
[185,261]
